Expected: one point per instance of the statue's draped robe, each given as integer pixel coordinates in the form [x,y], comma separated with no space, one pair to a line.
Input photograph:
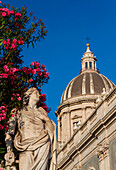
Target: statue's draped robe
[33,141]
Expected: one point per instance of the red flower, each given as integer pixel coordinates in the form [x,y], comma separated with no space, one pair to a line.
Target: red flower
[31,80]
[19,98]
[42,66]
[4,14]
[32,64]
[12,12]
[4,42]
[34,71]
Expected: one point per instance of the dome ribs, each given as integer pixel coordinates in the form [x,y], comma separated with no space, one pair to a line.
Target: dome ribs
[77,86]
[87,83]
[98,83]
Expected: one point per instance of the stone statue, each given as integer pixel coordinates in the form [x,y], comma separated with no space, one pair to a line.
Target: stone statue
[35,139]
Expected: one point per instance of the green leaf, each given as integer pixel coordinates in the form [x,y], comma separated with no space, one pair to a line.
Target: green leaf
[1,43]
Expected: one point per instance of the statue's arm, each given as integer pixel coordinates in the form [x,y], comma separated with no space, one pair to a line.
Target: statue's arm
[10,133]
[48,123]
[9,156]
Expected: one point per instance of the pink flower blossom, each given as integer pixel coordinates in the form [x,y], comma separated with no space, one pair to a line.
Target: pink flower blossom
[0,2]
[2,107]
[17,94]
[8,12]
[3,111]
[8,43]
[5,9]
[17,14]
[28,71]
[40,73]
[20,41]
[38,69]
[45,76]
[42,66]
[4,42]
[19,98]
[6,128]
[24,69]
[12,12]
[5,75]
[11,98]
[37,65]
[47,73]
[34,71]
[31,80]
[32,64]
[13,46]
[3,116]
[14,69]
[15,40]
[6,68]
[1,127]
[4,14]
[8,39]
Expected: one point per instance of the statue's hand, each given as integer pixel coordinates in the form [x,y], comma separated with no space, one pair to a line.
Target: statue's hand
[10,158]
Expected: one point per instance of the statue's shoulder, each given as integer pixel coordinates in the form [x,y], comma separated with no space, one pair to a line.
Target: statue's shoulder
[40,109]
[20,113]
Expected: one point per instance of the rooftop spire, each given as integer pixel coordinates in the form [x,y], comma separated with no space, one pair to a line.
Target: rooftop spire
[88,60]
[88,49]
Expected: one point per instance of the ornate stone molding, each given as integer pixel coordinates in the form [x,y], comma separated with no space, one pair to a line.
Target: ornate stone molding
[102,150]
[77,167]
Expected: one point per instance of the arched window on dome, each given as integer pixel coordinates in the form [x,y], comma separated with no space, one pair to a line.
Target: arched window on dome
[90,65]
[86,65]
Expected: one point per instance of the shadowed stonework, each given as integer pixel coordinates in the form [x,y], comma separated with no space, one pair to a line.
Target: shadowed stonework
[92,164]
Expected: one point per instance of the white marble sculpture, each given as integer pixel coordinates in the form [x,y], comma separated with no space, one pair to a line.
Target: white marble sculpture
[35,138]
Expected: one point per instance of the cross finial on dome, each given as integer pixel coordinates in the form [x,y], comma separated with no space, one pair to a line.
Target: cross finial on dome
[87,40]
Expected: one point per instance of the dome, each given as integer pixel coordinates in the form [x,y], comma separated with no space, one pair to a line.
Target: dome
[87,83]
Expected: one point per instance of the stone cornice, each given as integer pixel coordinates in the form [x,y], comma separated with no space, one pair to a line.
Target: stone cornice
[76,101]
[82,99]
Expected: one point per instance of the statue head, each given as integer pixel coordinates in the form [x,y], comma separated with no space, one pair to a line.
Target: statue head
[31,94]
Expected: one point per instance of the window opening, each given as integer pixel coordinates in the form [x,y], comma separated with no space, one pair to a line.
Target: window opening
[86,65]
[90,65]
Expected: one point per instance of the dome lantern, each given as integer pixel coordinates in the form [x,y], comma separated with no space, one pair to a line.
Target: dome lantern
[88,60]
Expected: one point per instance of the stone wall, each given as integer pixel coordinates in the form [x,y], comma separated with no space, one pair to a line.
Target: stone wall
[93,145]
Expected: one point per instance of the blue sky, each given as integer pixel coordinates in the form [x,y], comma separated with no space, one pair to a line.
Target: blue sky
[69,22]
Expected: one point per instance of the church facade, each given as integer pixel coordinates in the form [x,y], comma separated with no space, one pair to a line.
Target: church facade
[87,120]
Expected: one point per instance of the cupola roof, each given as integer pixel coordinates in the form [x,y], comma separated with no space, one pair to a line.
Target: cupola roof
[89,82]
